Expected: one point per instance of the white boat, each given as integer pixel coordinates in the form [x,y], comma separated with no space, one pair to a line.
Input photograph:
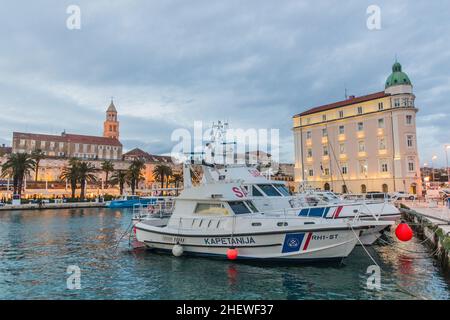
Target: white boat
[213,218]
[273,195]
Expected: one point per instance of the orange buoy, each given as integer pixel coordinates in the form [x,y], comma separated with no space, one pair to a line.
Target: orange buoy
[232,254]
[404,232]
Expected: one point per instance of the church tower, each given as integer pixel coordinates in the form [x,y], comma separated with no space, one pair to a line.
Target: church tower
[111,125]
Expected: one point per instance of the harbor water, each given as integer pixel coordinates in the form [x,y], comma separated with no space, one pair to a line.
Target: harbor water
[37,247]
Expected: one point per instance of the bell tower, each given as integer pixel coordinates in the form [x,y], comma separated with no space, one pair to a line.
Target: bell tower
[111,125]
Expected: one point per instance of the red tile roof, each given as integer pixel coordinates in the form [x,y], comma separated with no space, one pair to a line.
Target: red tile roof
[66,137]
[347,102]
[38,137]
[139,153]
[78,138]
[5,150]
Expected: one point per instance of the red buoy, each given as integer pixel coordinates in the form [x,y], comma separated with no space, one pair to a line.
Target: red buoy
[403,232]
[232,254]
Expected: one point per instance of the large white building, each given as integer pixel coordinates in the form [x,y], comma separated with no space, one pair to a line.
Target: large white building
[361,144]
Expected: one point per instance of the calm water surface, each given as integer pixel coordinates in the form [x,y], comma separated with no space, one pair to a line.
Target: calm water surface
[36,247]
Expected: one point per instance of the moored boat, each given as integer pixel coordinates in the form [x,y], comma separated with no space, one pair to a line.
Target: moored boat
[213,218]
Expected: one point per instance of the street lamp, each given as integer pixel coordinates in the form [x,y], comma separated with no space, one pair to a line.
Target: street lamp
[447,146]
[432,166]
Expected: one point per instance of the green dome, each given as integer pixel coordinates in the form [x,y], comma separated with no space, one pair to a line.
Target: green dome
[397,76]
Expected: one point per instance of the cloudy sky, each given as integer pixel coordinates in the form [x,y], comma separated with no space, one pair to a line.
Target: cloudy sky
[254,63]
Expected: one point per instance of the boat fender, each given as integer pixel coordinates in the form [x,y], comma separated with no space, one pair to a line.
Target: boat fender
[232,253]
[177,250]
[404,232]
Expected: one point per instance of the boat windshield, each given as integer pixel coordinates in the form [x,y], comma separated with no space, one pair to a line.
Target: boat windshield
[251,206]
[210,208]
[269,190]
[239,207]
[256,192]
[282,189]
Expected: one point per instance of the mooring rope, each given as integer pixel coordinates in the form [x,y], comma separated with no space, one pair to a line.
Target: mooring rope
[370,256]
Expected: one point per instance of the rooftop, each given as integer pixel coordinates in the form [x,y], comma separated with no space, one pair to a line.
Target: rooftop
[139,153]
[343,103]
[66,137]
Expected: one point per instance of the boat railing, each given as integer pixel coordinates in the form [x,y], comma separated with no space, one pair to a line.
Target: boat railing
[159,209]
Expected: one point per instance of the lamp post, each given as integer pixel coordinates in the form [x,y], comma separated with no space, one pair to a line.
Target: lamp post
[447,146]
[432,167]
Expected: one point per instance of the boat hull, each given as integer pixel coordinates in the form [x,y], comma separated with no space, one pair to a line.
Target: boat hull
[300,245]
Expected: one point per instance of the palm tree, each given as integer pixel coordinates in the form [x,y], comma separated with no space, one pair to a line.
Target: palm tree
[86,174]
[70,173]
[37,155]
[160,172]
[18,166]
[135,173]
[119,177]
[176,179]
[107,167]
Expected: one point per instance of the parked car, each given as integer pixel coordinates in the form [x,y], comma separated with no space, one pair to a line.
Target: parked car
[401,195]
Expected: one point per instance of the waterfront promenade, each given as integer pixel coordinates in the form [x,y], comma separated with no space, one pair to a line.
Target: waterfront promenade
[66,205]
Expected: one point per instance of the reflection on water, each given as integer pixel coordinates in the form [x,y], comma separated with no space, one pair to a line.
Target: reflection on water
[36,247]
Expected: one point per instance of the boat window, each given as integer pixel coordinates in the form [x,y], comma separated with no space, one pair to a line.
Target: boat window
[282,189]
[256,192]
[269,190]
[239,207]
[210,208]
[251,206]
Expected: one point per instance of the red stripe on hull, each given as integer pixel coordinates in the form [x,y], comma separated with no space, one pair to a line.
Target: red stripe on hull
[338,211]
[308,239]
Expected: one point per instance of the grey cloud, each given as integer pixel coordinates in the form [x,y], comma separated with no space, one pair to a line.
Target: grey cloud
[255,63]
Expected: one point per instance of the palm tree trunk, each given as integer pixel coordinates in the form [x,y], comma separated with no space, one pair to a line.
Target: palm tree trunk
[133,186]
[82,189]
[106,180]
[162,181]
[121,188]
[74,189]
[37,171]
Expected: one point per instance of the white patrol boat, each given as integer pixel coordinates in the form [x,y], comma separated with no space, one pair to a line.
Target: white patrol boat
[216,219]
[273,195]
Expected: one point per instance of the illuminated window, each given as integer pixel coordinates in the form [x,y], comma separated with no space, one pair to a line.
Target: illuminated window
[361,146]
[325,151]
[309,153]
[363,167]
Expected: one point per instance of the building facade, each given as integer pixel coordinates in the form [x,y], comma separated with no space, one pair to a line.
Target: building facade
[361,144]
[68,145]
